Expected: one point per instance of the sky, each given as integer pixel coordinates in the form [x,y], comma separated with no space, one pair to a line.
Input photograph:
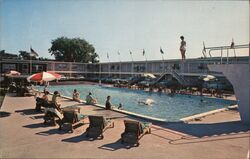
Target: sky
[124,25]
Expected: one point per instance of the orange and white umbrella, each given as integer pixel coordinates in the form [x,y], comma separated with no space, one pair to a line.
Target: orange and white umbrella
[44,76]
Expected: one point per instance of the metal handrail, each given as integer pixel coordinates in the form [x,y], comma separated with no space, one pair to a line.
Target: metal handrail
[178,77]
[174,74]
[221,48]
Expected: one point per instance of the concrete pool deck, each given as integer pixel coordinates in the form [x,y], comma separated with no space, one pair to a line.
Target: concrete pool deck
[23,135]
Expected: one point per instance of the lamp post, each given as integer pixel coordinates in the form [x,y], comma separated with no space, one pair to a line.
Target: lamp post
[143,53]
[119,56]
[132,66]
[109,63]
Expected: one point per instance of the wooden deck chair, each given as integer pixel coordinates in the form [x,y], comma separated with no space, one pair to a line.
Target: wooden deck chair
[51,113]
[97,125]
[72,118]
[134,130]
[40,102]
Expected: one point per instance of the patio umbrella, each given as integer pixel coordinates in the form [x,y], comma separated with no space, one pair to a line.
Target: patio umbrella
[13,73]
[150,75]
[44,76]
[207,78]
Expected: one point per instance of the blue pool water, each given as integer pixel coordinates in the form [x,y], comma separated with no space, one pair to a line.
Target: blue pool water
[165,107]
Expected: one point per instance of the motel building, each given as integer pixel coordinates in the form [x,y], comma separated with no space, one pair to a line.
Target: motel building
[186,72]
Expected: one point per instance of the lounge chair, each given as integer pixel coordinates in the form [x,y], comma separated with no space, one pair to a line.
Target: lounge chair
[134,130]
[72,118]
[51,113]
[97,125]
[12,88]
[40,102]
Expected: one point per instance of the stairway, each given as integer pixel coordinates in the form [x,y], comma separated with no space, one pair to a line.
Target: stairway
[161,76]
[171,71]
[179,78]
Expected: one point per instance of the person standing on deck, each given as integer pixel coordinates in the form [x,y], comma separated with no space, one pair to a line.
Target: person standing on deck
[183,48]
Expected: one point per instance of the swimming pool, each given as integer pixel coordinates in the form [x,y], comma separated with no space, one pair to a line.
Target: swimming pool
[164,106]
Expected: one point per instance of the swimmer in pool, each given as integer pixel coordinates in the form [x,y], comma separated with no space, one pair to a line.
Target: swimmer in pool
[146,102]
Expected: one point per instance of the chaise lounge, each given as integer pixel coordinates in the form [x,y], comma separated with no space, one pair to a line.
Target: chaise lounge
[51,113]
[134,130]
[97,126]
[40,102]
[72,118]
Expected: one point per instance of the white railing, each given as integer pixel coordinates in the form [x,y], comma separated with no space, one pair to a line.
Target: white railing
[171,71]
[179,78]
[224,48]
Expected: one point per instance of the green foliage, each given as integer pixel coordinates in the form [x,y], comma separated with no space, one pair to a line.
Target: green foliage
[73,50]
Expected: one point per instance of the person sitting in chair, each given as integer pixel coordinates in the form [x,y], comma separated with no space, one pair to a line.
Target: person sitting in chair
[42,102]
[90,99]
[55,101]
[76,96]
[45,96]
[108,103]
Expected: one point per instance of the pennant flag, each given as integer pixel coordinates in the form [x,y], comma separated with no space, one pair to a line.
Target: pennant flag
[143,52]
[161,51]
[204,48]
[33,53]
[232,44]
[108,55]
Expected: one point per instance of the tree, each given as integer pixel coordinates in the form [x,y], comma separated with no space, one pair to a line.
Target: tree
[73,50]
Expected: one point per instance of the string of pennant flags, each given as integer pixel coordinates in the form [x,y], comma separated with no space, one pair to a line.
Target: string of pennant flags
[232,46]
[33,53]
[131,53]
